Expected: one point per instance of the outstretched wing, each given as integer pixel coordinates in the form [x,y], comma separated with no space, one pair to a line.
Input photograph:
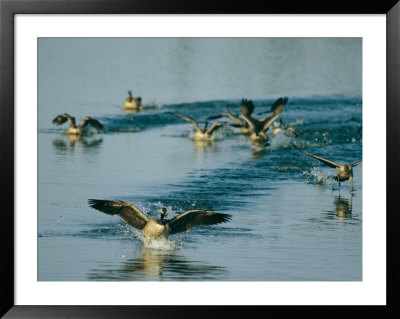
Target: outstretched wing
[234,118]
[187,118]
[268,121]
[88,120]
[278,106]
[323,160]
[356,163]
[62,118]
[215,126]
[132,215]
[252,122]
[196,217]
[246,107]
[217,116]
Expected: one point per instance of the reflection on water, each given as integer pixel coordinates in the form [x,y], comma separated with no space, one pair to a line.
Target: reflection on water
[68,144]
[157,265]
[129,111]
[343,207]
[202,144]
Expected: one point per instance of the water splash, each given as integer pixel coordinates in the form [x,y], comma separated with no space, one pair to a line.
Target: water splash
[315,176]
[161,244]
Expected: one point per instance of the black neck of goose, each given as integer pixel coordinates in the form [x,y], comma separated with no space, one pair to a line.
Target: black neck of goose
[205,126]
[130,96]
[163,211]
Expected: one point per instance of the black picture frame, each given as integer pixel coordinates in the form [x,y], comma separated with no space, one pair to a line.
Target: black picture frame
[11,7]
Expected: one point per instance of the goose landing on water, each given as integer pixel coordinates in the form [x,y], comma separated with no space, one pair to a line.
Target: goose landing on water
[201,133]
[259,126]
[344,171]
[246,107]
[152,228]
[73,129]
[133,103]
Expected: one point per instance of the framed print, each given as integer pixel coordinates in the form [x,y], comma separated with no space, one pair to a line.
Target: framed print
[166,158]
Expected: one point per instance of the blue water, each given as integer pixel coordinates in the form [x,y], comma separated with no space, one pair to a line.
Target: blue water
[290,221]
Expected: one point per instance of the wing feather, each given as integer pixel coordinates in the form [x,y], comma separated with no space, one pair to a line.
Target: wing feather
[62,118]
[187,118]
[247,107]
[215,126]
[268,121]
[252,122]
[196,217]
[89,120]
[278,106]
[356,163]
[323,160]
[132,215]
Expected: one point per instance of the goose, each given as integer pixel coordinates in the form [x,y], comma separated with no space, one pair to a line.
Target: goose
[247,107]
[73,129]
[201,133]
[259,126]
[162,228]
[344,171]
[134,103]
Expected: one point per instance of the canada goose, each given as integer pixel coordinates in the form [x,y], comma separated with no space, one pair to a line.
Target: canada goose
[73,129]
[152,228]
[259,126]
[247,107]
[201,133]
[344,171]
[134,103]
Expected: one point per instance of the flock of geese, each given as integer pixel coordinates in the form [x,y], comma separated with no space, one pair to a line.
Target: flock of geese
[255,127]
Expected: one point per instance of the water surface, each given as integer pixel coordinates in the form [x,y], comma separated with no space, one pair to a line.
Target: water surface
[290,222]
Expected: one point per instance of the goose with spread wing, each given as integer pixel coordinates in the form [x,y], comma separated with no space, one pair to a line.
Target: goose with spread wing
[344,172]
[258,127]
[161,228]
[246,107]
[73,129]
[205,133]
[133,103]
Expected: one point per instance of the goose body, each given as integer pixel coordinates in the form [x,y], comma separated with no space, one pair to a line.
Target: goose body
[162,228]
[201,134]
[344,172]
[133,103]
[73,128]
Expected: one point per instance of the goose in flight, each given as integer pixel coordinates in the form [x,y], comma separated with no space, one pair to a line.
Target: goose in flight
[259,126]
[344,171]
[152,228]
[133,103]
[204,133]
[73,129]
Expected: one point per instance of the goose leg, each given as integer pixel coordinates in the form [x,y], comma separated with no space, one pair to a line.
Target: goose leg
[351,183]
